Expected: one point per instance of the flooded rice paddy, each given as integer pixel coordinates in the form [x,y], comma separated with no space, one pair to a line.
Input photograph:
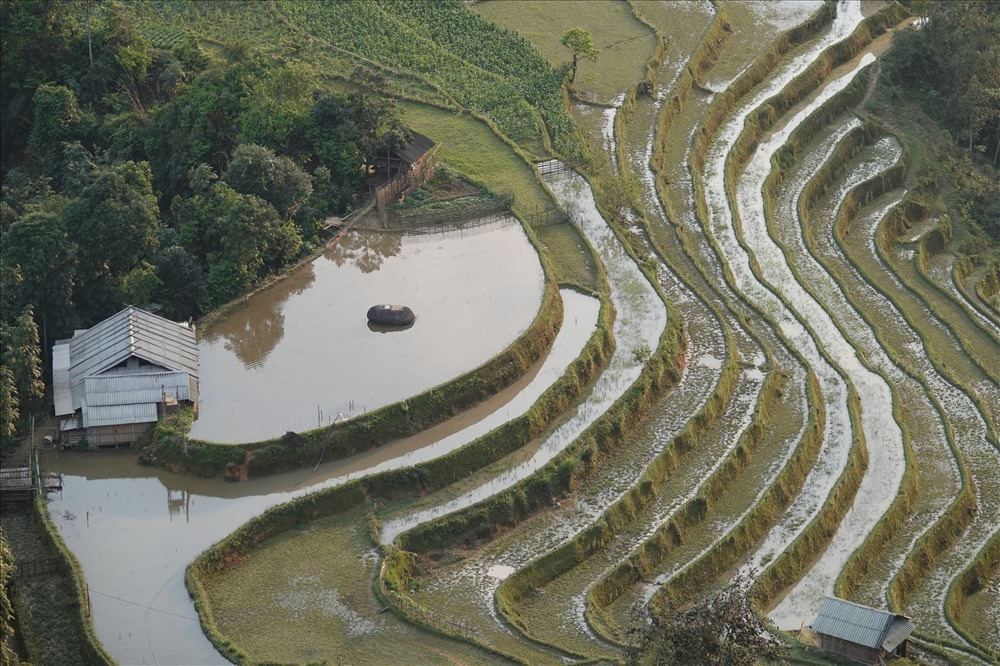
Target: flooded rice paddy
[640,320]
[166,520]
[474,290]
[770,294]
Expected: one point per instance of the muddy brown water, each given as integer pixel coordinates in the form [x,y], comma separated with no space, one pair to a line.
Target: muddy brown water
[135,529]
[295,356]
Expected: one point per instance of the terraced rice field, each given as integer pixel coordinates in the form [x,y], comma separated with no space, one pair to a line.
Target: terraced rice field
[801,387]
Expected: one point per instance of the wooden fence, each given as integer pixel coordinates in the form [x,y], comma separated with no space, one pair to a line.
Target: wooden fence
[37,567]
[553,170]
[390,193]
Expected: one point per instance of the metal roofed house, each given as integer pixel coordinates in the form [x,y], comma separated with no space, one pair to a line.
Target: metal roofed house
[112,381]
[860,633]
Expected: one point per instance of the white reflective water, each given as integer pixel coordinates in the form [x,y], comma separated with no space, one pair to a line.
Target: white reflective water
[641,319]
[134,530]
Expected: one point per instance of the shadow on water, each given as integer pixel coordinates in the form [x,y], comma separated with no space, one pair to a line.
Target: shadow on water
[295,356]
[134,529]
[252,331]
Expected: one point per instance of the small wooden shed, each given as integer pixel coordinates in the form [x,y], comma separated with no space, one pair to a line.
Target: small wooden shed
[859,633]
[406,159]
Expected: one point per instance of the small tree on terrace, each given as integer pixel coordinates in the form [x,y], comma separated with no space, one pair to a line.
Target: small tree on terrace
[581,44]
[721,629]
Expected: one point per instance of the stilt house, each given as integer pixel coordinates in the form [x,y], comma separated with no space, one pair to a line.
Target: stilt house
[859,633]
[112,381]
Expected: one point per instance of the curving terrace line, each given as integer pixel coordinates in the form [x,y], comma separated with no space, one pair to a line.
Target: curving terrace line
[641,320]
[838,435]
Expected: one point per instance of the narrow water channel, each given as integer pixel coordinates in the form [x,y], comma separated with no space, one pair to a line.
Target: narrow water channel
[135,529]
[640,321]
[882,433]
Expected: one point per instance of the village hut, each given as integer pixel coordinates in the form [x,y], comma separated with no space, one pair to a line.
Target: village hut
[859,633]
[409,158]
[112,381]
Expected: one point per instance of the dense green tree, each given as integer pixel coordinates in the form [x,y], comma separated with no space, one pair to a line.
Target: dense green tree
[379,127]
[77,169]
[277,114]
[182,282]
[200,126]
[23,192]
[275,179]
[21,353]
[10,410]
[8,656]
[336,144]
[101,131]
[581,45]
[35,48]
[119,59]
[39,262]
[114,223]
[57,115]
[115,219]
[951,66]
[240,237]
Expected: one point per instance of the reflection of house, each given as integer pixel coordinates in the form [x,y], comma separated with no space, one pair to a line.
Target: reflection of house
[859,633]
[110,382]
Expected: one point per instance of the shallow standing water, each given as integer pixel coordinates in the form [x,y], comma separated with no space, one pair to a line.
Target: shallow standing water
[135,529]
[295,356]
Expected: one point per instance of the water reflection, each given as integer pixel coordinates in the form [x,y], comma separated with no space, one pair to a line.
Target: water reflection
[366,249]
[382,328]
[135,529]
[252,331]
[295,356]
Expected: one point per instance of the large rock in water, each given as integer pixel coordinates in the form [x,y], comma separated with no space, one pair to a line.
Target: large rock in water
[391,315]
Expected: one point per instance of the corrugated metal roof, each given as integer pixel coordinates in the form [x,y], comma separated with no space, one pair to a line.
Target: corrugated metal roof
[415,149]
[133,332]
[157,343]
[857,624]
[898,632]
[62,397]
[104,415]
[120,389]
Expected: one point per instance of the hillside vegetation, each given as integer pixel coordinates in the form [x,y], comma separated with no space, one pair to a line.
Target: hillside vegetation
[794,386]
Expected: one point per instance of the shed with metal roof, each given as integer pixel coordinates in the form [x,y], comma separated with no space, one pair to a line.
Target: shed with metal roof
[111,381]
[859,633]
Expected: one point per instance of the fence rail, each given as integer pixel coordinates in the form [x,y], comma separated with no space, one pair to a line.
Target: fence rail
[37,567]
[554,170]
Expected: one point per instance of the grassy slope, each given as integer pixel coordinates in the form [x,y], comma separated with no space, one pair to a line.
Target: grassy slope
[624,42]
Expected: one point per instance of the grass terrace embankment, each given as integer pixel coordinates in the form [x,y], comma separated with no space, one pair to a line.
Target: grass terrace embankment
[794,367]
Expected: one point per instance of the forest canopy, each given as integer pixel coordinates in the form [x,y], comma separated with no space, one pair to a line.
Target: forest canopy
[948,64]
[133,174]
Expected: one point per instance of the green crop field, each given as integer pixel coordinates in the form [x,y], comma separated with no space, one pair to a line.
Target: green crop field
[793,380]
